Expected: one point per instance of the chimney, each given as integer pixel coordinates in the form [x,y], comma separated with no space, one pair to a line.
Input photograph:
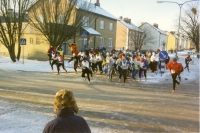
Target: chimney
[155,25]
[120,17]
[97,3]
[127,20]
[172,32]
[142,23]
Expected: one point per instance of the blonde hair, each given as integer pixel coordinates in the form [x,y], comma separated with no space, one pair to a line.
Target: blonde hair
[65,99]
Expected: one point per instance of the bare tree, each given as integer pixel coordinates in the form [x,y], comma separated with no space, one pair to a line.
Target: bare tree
[143,36]
[59,20]
[13,14]
[190,23]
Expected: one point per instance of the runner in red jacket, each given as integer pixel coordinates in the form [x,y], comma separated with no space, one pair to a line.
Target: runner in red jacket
[175,69]
[49,53]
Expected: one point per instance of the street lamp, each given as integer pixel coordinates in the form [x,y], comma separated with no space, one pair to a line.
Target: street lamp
[180,5]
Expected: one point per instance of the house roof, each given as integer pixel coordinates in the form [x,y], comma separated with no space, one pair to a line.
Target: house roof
[172,34]
[91,31]
[94,9]
[159,30]
[81,4]
[129,26]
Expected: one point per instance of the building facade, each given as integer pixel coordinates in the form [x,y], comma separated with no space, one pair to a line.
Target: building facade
[155,37]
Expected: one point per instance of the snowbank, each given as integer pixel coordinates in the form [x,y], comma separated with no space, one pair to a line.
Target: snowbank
[31,65]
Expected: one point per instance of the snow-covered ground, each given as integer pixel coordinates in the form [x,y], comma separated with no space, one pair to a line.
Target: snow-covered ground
[43,66]
[31,65]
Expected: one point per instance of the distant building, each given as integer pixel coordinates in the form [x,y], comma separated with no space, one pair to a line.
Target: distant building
[159,37]
[171,41]
[127,32]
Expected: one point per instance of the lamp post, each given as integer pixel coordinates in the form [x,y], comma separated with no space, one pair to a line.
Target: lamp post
[180,5]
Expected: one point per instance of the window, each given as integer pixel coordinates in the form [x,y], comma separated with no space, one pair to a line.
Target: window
[133,35]
[37,41]
[110,42]
[101,41]
[129,43]
[144,43]
[136,39]
[86,21]
[132,43]
[102,24]
[41,19]
[60,19]
[139,36]
[31,40]
[111,26]
[129,34]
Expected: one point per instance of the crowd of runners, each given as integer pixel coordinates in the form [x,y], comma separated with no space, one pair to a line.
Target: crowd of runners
[122,63]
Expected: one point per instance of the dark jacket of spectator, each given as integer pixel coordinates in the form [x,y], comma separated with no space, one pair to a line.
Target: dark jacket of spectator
[67,122]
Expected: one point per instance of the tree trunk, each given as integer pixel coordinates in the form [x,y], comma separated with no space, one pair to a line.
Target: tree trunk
[197,46]
[11,51]
[19,51]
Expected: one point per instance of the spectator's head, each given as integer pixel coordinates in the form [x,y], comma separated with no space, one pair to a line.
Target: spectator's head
[99,53]
[133,58]
[174,60]
[58,53]
[107,54]
[65,99]
[120,56]
[61,49]
[110,60]
[124,59]
[188,56]
[85,59]
[51,46]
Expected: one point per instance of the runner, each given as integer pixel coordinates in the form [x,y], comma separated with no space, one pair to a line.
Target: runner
[143,67]
[187,61]
[118,62]
[55,61]
[93,64]
[49,53]
[99,62]
[75,59]
[110,69]
[86,69]
[175,69]
[134,67]
[124,65]
[61,63]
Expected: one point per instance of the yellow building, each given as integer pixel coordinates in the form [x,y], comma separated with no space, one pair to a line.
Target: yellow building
[100,28]
[188,46]
[36,45]
[171,41]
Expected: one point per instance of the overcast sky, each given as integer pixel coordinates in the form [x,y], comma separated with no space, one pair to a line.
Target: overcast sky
[150,11]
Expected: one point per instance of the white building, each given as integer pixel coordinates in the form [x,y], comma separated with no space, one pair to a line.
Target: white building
[156,38]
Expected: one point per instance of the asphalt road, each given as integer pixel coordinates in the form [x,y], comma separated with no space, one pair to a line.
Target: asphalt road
[106,106]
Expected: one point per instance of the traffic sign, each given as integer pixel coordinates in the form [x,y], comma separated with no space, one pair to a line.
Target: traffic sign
[22,41]
[163,55]
[84,34]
